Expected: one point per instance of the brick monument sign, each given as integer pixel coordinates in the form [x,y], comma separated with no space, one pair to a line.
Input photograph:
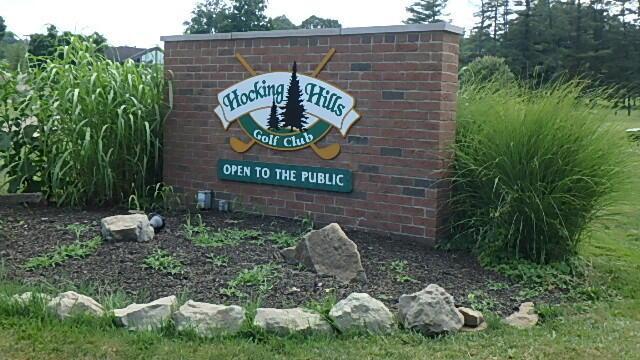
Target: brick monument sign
[352,126]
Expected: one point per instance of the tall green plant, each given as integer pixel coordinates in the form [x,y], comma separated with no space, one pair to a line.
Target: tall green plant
[533,169]
[81,128]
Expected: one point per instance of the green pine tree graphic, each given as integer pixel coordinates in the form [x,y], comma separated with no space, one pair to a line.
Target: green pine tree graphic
[274,120]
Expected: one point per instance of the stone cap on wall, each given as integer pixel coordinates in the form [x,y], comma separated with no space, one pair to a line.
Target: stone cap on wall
[442,26]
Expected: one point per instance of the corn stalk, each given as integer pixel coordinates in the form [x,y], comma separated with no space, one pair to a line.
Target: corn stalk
[82,129]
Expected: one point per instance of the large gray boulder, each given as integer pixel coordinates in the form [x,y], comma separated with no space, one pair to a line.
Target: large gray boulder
[524,318]
[209,319]
[134,227]
[288,321]
[361,312]
[144,317]
[70,303]
[431,311]
[328,251]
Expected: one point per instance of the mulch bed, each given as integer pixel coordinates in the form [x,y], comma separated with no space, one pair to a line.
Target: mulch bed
[29,232]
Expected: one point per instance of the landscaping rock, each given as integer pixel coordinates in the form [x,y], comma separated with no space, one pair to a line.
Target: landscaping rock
[360,311]
[134,227]
[28,297]
[287,321]
[209,319]
[482,326]
[141,317]
[329,251]
[472,318]
[524,318]
[289,255]
[431,311]
[71,304]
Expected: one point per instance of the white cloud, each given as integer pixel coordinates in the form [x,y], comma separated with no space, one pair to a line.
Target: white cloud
[142,22]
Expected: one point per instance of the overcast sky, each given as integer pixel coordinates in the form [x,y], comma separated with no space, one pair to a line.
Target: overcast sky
[142,22]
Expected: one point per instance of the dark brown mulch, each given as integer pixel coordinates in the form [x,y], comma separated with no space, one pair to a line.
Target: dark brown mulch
[30,232]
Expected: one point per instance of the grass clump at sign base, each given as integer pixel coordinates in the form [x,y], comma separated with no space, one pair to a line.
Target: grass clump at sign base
[533,169]
[77,250]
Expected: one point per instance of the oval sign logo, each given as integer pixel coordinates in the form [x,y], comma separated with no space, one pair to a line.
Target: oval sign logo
[287,111]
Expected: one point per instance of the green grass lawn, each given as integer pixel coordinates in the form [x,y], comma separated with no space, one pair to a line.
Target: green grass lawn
[601,329]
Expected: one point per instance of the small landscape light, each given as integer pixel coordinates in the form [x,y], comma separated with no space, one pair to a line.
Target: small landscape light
[204,199]
[224,205]
[156,221]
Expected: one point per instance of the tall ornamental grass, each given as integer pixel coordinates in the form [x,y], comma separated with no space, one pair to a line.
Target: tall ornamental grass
[533,168]
[80,128]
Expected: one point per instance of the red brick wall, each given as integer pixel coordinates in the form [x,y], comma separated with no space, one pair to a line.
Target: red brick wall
[405,85]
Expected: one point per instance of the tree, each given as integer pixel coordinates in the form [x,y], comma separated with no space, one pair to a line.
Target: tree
[282,23]
[47,44]
[44,44]
[248,15]
[209,16]
[294,112]
[542,40]
[3,27]
[626,46]
[506,14]
[517,42]
[486,69]
[480,38]
[315,22]
[220,16]
[426,11]
[497,28]
[274,120]
[13,50]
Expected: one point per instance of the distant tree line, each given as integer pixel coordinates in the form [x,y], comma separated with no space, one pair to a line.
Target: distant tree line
[46,44]
[542,40]
[13,49]
[221,16]
[545,39]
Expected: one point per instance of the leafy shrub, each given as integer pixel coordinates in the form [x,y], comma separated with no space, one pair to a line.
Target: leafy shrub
[261,276]
[283,239]
[399,269]
[78,229]
[80,128]
[533,169]
[163,261]
[77,250]
[197,232]
[486,69]
[218,260]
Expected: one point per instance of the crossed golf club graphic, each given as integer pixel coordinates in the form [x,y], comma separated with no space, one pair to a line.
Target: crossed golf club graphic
[327,153]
